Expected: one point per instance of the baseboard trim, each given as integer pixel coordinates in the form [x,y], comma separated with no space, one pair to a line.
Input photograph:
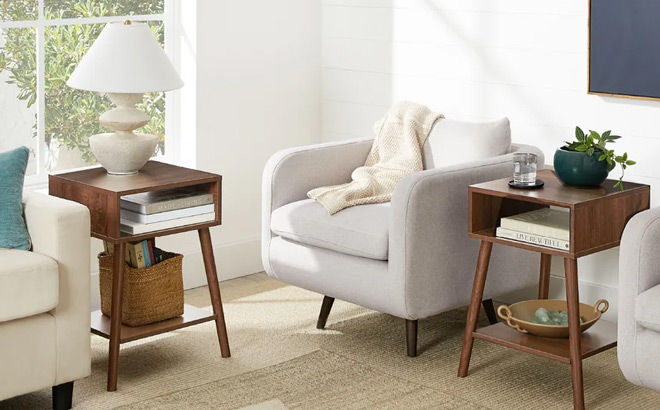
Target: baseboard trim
[232,261]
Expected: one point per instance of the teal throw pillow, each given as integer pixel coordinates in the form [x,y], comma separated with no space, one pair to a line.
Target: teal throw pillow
[13,232]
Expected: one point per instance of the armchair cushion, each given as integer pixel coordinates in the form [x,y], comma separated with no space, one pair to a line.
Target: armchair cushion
[453,142]
[29,284]
[359,230]
[13,233]
[647,308]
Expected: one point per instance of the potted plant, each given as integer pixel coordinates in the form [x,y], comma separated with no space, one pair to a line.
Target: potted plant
[587,161]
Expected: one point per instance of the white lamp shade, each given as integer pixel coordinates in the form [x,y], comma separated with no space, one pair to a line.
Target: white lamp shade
[125,58]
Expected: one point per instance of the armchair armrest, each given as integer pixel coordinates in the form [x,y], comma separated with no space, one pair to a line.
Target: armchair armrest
[289,174]
[428,235]
[60,229]
[639,260]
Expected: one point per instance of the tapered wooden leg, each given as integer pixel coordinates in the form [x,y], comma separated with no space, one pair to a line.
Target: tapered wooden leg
[115,314]
[544,276]
[489,308]
[63,396]
[326,306]
[214,289]
[411,337]
[475,302]
[575,341]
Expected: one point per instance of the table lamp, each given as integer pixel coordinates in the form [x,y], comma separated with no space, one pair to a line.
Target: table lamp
[124,62]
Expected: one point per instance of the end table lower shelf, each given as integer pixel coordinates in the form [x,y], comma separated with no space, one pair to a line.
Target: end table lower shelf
[601,336]
[191,316]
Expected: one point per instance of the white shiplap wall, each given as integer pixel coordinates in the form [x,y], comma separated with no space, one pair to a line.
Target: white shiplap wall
[479,60]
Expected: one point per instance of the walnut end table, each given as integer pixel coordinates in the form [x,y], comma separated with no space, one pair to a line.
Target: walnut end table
[101,193]
[589,209]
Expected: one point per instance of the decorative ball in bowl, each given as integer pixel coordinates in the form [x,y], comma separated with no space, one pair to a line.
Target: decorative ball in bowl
[523,315]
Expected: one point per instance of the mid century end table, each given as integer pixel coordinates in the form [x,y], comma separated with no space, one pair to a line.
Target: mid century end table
[101,193]
[597,218]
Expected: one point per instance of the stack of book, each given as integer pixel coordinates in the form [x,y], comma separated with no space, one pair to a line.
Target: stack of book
[157,210]
[140,254]
[545,227]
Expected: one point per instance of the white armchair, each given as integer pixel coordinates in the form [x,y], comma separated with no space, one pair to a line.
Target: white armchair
[410,258]
[45,302]
[639,300]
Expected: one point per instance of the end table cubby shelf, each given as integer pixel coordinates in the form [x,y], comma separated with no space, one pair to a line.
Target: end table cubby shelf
[597,219]
[102,193]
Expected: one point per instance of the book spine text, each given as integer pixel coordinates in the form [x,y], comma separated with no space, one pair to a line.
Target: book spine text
[533,239]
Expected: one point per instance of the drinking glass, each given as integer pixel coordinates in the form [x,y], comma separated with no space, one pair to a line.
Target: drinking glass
[524,169]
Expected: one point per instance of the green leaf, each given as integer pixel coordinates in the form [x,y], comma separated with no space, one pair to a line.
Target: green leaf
[581,148]
[610,166]
[614,137]
[593,134]
[630,162]
[625,156]
[579,134]
[606,134]
[602,157]
[590,151]
[619,159]
[617,183]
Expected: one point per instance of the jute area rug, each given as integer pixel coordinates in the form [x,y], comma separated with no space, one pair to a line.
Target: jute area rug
[280,361]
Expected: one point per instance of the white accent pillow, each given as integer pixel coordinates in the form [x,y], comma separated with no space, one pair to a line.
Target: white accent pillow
[454,142]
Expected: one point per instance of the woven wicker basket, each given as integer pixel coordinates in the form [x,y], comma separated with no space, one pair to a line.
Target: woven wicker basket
[150,294]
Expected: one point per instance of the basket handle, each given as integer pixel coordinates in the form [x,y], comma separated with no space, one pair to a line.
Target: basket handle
[505,313]
[606,305]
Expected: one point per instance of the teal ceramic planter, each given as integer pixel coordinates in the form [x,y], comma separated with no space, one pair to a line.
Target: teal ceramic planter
[579,169]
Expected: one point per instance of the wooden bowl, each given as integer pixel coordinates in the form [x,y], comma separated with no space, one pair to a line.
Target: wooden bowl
[519,316]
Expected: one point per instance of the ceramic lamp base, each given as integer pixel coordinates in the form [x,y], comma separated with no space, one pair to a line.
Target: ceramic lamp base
[123,153]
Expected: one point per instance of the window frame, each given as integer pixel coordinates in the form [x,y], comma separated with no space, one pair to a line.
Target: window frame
[170,17]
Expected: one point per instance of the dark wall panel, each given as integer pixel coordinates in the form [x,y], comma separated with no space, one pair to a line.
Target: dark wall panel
[624,50]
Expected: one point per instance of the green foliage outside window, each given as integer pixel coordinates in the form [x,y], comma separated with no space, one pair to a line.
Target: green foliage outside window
[71,116]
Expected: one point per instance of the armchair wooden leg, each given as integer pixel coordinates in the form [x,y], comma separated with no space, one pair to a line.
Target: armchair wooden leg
[411,337]
[490,311]
[325,311]
[63,396]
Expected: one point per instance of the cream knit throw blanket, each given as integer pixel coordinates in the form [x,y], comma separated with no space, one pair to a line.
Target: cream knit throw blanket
[396,153]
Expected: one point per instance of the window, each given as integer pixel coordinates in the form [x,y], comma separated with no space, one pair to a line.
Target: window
[41,42]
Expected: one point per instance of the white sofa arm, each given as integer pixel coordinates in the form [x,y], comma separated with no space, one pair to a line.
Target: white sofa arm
[639,260]
[289,174]
[60,229]
[428,236]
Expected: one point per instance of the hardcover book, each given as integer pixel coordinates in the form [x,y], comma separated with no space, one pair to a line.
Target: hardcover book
[135,228]
[138,254]
[167,215]
[547,222]
[533,239]
[153,202]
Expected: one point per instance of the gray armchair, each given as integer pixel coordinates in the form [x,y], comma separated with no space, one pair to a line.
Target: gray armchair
[410,258]
[639,300]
